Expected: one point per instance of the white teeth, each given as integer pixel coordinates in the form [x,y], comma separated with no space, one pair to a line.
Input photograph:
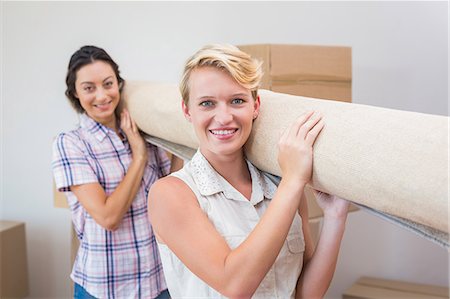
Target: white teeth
[104,104]
[222,132]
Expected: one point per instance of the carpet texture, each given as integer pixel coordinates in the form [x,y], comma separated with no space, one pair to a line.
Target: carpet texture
[392,161]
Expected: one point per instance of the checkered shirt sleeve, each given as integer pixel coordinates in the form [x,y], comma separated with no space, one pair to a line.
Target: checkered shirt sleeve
[70,166]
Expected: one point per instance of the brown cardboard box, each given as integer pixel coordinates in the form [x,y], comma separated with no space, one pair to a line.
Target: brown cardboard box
[13,260]
[314,211]
[323,72]
[375,288]
[59,199]
[315,226]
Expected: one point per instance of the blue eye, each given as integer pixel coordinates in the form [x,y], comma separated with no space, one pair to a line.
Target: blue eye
[206,103]
[237,101]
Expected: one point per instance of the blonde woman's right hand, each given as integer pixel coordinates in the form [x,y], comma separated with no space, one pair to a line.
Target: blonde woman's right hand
[137,143]
[295,155]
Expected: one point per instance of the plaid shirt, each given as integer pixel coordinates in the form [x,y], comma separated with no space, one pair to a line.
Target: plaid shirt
[124,263]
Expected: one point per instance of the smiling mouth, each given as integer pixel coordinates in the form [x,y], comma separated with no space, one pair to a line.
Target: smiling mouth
[103,105]
[223,132]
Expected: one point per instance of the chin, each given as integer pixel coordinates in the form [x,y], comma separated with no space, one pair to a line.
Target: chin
[226,150]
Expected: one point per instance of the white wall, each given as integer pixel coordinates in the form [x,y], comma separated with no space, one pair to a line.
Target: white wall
[400,61]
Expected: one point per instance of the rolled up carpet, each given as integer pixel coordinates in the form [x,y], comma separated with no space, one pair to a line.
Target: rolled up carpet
[392,161]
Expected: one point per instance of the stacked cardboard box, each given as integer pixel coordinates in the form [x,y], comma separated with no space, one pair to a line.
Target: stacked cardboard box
[375,288]
[13,260]
[323,72]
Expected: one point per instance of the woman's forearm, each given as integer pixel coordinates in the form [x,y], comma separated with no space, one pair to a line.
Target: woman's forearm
[318,272]
[118,203]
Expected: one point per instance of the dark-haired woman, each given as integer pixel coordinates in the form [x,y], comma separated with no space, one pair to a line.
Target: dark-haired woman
[105,169]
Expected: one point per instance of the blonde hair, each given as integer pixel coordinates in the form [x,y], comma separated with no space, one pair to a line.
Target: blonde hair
[238,64]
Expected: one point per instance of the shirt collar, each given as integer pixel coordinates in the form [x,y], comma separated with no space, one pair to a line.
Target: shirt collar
[98,130]
[209,182]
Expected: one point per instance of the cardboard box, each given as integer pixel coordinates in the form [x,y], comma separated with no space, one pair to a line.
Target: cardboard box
[315,226]
[59,199]
[376,288]
[13,260]
[323,72]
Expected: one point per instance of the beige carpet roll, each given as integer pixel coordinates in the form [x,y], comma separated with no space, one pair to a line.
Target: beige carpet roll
[393,161]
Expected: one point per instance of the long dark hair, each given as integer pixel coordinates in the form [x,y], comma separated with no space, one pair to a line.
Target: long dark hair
[87,55]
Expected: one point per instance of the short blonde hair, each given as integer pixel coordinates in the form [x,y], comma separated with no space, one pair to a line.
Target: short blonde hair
[238,64]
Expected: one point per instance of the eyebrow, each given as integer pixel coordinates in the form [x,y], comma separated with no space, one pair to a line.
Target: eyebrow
[204,98]
[240,95]
[89,82]
[233,95]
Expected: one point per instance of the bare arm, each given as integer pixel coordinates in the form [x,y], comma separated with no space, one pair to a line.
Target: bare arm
[180,223]
[309,244]
[320,264]
[108,211]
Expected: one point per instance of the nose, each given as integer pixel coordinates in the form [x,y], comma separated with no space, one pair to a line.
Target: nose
[100,93]
[223,115]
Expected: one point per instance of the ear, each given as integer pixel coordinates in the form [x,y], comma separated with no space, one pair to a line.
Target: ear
[186,113]
[256,107]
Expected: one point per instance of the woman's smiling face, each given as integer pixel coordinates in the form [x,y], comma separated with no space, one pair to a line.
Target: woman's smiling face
[97,89]
[221,111]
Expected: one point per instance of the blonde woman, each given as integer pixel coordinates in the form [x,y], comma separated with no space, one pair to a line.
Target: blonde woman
[222,227]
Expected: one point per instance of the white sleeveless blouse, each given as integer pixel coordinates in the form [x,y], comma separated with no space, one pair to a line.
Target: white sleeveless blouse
[234,217]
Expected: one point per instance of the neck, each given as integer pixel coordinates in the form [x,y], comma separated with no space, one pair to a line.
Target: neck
[232,168]
[110,122]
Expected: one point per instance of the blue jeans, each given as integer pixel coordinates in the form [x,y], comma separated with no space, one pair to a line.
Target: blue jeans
[164,295]
[80,293]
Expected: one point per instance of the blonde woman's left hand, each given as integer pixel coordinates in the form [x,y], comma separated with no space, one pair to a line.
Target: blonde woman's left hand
[331,205]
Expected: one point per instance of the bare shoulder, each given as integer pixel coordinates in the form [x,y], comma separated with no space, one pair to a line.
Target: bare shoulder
[170,195]
[172,208]
[169,187]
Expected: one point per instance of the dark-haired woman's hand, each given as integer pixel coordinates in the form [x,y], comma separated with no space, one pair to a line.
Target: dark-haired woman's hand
[137,143]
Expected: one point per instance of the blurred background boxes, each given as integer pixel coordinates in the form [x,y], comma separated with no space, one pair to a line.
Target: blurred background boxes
[13,260]
[323,72]
[375,288]
[59,199]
